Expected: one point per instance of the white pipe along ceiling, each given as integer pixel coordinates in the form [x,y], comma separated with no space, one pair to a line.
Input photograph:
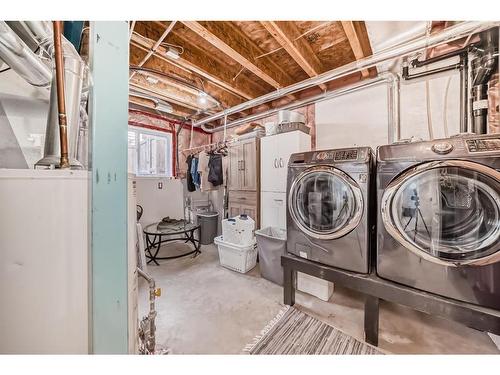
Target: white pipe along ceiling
[458,31]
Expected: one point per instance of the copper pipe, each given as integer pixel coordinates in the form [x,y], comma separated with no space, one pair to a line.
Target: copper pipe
[61,102]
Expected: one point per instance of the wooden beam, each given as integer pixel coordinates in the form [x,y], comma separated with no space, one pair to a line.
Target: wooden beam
[161,63]
[167,93]
[354,41]
[156,45]
[281,74]
[212,70]
[233,49]
[132,25]
[288,36]
[148,103]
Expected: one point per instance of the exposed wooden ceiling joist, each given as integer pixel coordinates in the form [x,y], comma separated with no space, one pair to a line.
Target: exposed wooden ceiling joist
[149,106]
[238,61]
[189,62]
[132,25]
[288,36]
[354,41]
[170,93]
[284,77]
[164,64]
[156,45]
[241,49]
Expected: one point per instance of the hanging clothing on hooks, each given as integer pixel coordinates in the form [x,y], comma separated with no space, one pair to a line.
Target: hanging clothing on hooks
[189,177]
[215,175]
[194,172]
[203,170]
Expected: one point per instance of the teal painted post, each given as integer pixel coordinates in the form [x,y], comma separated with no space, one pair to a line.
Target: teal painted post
[108,118]
[73,32]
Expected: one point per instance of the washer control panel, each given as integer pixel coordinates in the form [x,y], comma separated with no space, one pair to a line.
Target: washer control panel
[442,148]
[346,155]
[323,155]
[338,155]
[482,145]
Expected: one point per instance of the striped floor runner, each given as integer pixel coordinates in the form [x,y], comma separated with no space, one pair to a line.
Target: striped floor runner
[294,332]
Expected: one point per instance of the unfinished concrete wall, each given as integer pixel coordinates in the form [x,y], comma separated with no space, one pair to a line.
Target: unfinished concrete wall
[361,118]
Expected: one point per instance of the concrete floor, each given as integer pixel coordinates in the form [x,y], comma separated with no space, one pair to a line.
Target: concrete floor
[208,309]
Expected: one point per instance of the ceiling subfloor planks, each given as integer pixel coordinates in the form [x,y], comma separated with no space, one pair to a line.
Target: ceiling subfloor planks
[288,36]
[239,49]
[354,41]
[241,60]
[156,45]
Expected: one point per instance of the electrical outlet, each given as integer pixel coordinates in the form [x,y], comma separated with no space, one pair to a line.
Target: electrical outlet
[160,185]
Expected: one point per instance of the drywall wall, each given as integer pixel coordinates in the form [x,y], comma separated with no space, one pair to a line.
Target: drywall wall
[159,203]
[361,118]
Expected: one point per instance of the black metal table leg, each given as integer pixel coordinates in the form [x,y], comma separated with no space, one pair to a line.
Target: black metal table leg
[196,243]
[289,287]
[371,319]
[152,245]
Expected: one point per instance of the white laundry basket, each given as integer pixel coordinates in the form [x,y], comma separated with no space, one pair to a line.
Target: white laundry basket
[240,258]
[239,230]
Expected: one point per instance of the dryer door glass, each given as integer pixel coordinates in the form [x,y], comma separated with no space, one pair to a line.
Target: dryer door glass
[325,203]
[449,212]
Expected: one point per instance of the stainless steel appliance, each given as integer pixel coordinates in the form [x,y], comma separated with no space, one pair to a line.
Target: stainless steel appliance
[328,207]
[439,217]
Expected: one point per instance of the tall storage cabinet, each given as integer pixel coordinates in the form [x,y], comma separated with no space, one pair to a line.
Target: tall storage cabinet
[275,153]
[244,178]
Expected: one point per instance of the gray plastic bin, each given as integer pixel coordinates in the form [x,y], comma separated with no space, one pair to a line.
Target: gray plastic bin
[271,244]
[208,222]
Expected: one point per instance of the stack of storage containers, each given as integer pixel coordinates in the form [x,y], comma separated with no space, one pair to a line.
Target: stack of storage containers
[237,246]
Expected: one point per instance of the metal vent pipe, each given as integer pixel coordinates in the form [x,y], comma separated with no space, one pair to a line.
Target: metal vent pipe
[16,54]
[73,83]
[455,32]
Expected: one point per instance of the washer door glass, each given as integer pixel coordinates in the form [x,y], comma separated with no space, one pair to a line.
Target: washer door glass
[325,203]
[448,212]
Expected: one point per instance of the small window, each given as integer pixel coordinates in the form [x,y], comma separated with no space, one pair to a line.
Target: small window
[149,153]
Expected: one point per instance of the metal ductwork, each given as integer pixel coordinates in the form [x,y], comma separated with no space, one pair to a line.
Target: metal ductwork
[459,31]
[159,105]
[483,66]
[73,83]
[16,54]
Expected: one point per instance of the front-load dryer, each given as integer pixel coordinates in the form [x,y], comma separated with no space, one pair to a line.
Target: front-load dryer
[328,196]
[438,224]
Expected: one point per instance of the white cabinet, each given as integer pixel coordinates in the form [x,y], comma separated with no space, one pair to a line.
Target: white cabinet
[275,152]
[273,209]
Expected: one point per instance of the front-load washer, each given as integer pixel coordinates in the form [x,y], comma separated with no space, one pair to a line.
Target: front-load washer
[438,224]
[328,196]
